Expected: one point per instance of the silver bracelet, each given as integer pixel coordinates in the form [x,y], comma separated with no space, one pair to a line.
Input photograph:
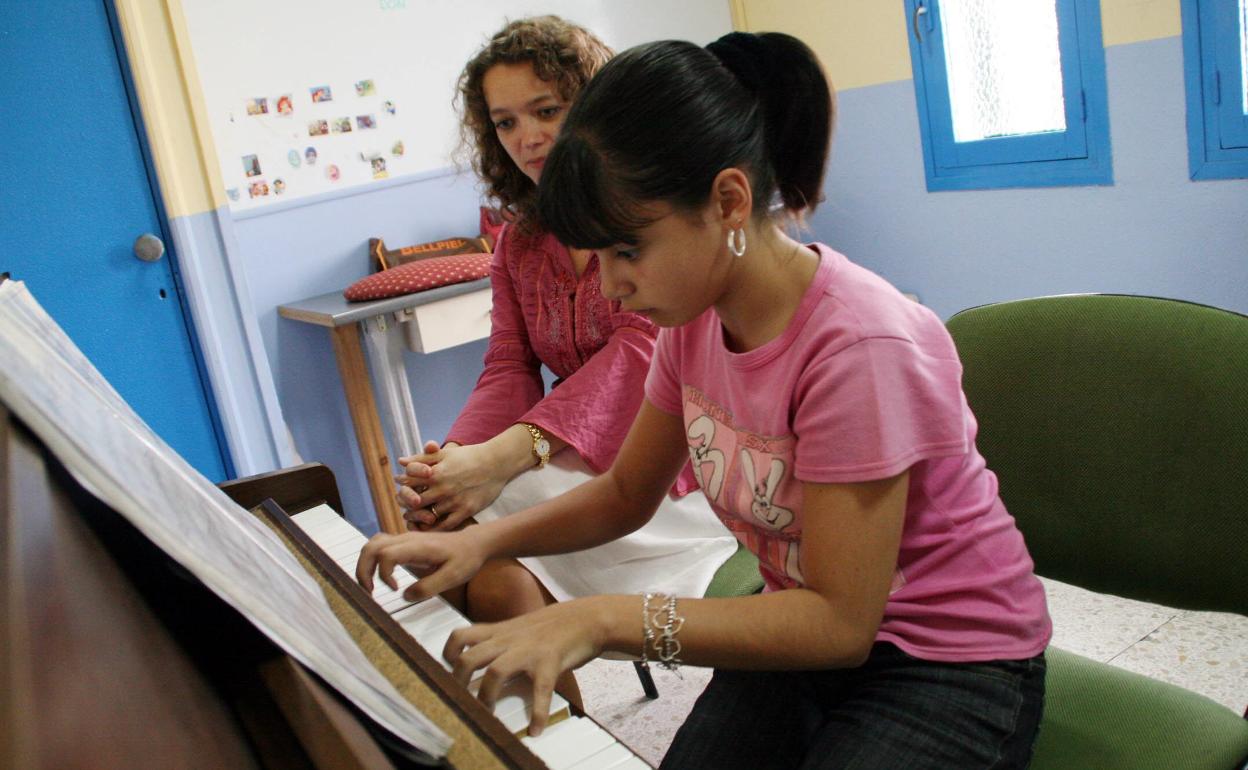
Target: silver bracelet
[664,643]
[647,630]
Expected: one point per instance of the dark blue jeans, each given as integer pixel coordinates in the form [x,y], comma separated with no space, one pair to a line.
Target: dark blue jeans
[893,712]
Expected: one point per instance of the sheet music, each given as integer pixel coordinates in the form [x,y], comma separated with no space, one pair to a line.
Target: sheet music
[52,387]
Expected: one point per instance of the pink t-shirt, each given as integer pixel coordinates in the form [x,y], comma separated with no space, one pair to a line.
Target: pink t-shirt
[862,385]
[543,313]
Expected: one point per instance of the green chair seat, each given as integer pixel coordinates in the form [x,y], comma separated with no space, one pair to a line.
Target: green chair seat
[1101,717]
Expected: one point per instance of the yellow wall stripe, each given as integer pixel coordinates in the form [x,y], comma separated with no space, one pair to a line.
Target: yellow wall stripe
[864,42]
[171,101]
[1134,21]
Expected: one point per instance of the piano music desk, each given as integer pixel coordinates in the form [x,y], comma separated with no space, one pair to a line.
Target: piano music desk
[430,320]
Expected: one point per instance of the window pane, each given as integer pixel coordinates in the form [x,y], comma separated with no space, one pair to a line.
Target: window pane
[1004,65]
[1243,51]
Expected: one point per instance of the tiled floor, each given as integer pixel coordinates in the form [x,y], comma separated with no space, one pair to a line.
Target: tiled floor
[1202,651]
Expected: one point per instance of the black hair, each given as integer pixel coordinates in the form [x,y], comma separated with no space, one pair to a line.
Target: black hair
[661,120]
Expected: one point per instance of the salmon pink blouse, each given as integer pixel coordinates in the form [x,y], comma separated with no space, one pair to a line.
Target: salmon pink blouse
[544,314]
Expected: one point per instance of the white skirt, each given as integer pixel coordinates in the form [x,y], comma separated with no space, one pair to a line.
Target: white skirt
[676,552]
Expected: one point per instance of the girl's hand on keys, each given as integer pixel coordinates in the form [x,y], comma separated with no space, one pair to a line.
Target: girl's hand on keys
[540,645]
[442,560]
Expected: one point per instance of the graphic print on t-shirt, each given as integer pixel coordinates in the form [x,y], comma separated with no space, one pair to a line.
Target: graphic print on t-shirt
[748,477]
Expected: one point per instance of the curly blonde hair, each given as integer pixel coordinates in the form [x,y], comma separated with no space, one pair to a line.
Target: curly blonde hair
[561,53]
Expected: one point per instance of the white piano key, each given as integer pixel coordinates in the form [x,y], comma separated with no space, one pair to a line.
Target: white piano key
[330,529]
[349,544]
[604,759]
[430,623]
[385,595]
[395,603]
[314,518]
[435,641]
[514,702]
[512,710]
[564,744]
[512,705]
[444,622]
[423,613]
[548,745]
[433,615]
[331,536]
[591,740]
[347,562]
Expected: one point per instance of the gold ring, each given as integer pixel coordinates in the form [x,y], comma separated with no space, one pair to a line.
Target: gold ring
[433,509]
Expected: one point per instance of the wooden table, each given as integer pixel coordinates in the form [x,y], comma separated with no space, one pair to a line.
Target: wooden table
[429,321]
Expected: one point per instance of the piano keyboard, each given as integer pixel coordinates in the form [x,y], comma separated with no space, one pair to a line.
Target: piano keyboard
[573,743]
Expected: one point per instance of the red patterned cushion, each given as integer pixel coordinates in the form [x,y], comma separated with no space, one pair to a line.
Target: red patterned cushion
[420,275]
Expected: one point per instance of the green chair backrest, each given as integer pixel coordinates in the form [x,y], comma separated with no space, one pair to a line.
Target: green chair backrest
[1118,428]
[738,576]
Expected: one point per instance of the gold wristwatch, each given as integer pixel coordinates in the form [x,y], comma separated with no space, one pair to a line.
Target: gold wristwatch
[541,447]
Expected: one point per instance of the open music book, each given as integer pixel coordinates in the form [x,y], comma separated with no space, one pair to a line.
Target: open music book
[51,386]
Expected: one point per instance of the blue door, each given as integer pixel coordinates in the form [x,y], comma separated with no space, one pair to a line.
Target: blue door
[75,197]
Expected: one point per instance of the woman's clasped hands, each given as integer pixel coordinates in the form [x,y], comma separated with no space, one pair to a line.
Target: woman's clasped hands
[443,487]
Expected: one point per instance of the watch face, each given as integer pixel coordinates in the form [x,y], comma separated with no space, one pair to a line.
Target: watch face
[542,446]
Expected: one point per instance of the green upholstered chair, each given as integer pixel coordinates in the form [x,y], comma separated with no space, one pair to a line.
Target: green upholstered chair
[1118,427]
[738,576]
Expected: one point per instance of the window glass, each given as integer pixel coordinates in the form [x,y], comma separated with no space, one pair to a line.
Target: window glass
[1010,93]
[1004,67]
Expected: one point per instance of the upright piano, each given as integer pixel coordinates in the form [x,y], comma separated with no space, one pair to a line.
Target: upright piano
[149,619]
[113,655]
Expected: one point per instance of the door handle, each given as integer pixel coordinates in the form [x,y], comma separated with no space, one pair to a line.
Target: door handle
[149,248]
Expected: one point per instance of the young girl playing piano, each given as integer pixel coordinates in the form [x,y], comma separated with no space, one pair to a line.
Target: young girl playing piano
[902,625]
[513,444]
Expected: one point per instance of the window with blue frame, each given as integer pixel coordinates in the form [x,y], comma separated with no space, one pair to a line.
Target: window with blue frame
[1215,64]
[1010,94]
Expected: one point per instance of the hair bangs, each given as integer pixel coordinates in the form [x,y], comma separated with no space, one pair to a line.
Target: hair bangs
[582,202]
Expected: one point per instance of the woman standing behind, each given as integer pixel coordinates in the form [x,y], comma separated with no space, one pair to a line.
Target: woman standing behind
[515,445]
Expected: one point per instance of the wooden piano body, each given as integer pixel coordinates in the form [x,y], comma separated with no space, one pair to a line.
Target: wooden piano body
[112,655]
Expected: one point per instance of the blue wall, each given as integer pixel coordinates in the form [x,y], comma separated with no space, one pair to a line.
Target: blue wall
[1153,232]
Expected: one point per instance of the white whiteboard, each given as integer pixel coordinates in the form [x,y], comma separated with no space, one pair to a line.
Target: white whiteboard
[405,56]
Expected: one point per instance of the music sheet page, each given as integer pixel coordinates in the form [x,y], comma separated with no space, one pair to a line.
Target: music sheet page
[52,387]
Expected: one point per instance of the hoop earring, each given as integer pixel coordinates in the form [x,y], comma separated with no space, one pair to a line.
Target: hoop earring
[736,242]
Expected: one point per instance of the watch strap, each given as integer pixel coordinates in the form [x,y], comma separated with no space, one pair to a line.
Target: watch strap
[541,446]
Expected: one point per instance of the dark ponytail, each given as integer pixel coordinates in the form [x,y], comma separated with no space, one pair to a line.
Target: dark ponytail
[797,109]
[661,120]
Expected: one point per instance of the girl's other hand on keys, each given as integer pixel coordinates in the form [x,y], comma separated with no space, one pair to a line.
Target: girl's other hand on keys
[540,645]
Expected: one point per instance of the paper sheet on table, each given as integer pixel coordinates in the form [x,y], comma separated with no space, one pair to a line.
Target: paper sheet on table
[52,387]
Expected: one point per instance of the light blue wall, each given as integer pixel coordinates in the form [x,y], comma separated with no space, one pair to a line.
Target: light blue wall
[321,247]
[1154,232]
